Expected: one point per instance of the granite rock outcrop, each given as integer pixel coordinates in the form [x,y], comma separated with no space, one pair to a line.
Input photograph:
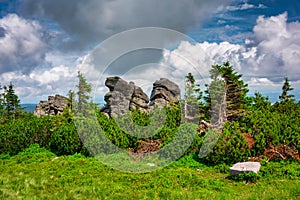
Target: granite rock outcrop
[54,106]
[123,96]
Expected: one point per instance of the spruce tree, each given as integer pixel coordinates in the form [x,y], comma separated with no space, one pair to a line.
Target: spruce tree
[215,97]
[11,102]
[71,98]
[194,107]
[233,93]
[1,101]
[285,89]
[236,91]
[83,93]
[260,102]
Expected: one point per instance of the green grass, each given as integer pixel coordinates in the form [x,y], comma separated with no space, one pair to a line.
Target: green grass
[39,174]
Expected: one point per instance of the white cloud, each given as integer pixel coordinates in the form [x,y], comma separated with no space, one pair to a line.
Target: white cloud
[41,83]
[256,82]
[244,6]
[55,74]
[260,63]
[91,21]
[21,44]
[272,51]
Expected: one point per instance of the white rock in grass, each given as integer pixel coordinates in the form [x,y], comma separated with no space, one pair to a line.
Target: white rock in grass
[151,164]
[244,167]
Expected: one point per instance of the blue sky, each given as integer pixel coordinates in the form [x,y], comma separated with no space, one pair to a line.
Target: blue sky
[44,43]
[243,18]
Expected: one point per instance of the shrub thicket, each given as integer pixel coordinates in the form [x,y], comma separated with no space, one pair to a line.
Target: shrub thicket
[56,133]
[253,125]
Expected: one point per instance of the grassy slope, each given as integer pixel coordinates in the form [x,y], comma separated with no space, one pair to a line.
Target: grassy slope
[29,176]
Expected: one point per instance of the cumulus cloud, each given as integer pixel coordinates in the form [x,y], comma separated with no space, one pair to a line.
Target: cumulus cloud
[39,63]
[265,58]
[91,21]
[272,51]
[40,83]
[21,44]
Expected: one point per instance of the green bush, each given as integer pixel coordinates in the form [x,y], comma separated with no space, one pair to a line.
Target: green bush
[119,131]
[64,138]
[34,154]
[231,146]
[280,169]
[115,133]
[269,125]
[17,135]
[56,133]
[273,125]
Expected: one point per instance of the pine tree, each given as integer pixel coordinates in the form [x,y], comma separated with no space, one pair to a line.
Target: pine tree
[229,92]
[83,93]
[260,102]
[285,89]
[189,96]
[1,102]
[215,97]
[193,106]
[11,102]
[71,98]
[236,91]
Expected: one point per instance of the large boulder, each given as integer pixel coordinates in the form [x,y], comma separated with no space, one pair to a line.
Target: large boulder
[244,167]
[54,106]
[119,96]
[164,91]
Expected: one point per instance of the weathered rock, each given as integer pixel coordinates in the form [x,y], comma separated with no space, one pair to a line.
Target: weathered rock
[54,106]
[139,93]
[139,100]
[119,98]
[124,96]
[244,167]
[118,84]
[164,91]
[117,103]
[169,85]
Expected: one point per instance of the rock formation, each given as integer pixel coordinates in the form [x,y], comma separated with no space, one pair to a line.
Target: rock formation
[139,100]
[164,91]
[54,106]
[244,167]
[119,96]
[124,96]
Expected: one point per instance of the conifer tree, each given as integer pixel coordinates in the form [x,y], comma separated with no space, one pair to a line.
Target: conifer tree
[285,89]
[1,102]
[71,98]
[83,93]
[215,97]
[260,102]
[194,108]
[11,101]
[233,94]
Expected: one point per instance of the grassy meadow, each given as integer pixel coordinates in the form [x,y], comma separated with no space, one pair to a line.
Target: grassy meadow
[36,173]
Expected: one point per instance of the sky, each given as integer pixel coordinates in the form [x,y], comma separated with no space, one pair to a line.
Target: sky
[43,43]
